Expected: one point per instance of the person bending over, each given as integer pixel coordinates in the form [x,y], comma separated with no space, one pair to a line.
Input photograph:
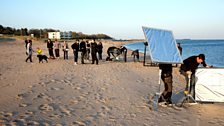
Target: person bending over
[188,69]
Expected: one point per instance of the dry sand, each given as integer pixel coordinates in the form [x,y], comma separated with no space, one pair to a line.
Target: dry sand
[111,93]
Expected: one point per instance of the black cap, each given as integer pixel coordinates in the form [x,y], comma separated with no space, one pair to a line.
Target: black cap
[201,56]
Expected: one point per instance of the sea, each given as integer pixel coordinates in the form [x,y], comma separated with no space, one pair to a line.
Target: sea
[213,50]
[7,39]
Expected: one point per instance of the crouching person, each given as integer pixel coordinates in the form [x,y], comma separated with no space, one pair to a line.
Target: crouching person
[135,53]
[40,55]
[166,76]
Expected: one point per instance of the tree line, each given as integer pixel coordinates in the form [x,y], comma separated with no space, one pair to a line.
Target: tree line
[43,33]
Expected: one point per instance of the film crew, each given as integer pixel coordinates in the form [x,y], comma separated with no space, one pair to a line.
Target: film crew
[188,69]
[166,76]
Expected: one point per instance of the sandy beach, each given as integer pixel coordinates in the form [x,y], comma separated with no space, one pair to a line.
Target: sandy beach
[59,93]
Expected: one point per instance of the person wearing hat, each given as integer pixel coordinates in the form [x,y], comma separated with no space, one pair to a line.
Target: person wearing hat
[189,67]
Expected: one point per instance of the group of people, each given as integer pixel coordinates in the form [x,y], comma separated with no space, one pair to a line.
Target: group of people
[56,47]
[78,46]
[86,48]
[187,69]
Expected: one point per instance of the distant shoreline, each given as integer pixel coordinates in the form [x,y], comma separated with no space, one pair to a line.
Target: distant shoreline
[7,39]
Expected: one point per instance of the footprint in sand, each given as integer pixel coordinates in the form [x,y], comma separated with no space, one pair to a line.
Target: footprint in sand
[78,123]
[21,96]
[43,96]
[54,116]
[23,105]
[29,113]
[33,123]
[43,84]
[73,101]
[56,89]
[65,111]
[46,107]
[6,114]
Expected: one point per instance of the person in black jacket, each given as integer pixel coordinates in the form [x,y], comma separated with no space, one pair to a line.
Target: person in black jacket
[75,47]
[189,67]
[87,50]
[166,76]
[50,46]
[83,50]
[94,50]
[100,50]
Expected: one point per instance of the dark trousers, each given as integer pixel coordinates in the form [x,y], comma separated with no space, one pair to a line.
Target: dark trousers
[87,54]
[29,58]
[75,56]
[94,58]
[167,93]
[51,53]
[192,81]
[57,53]
[125,56]
[65,54]
[100,55]
[83,56]
[137,56]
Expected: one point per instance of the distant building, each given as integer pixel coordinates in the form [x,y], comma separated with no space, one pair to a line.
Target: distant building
[54,35]
[60,35]
[66,35]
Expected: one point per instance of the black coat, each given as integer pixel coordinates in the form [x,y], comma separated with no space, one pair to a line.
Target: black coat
[94,47]
[82,46]
[50,45]
[75,46]
[190,64]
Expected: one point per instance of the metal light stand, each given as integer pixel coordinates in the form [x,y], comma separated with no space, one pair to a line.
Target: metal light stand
[188,96]
[157,94]
[146,44]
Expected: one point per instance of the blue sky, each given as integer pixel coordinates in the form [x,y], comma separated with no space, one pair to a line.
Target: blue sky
[121,19]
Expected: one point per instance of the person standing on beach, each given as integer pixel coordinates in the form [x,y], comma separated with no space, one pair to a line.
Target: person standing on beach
[57,46]
[65,49]
[26,42]
[180,50]
[29,52]
[50,48]
[87,50]
[188,69]
[100,50]
[94,50]
[75,47]
[166,76]
[83,51]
